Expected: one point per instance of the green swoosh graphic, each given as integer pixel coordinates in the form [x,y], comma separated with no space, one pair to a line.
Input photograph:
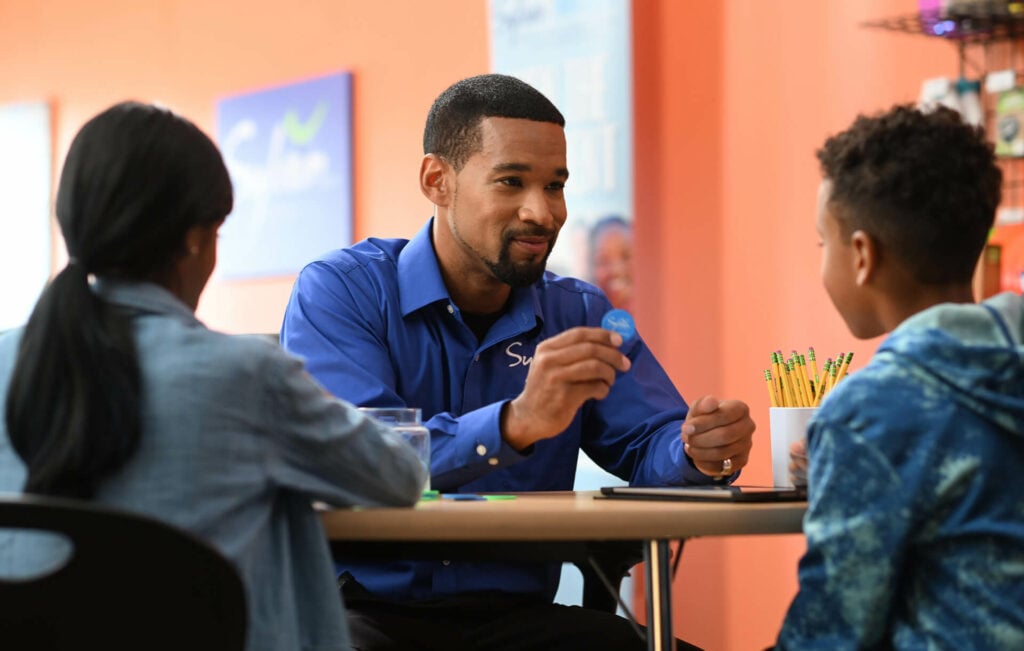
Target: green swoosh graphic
[299,133]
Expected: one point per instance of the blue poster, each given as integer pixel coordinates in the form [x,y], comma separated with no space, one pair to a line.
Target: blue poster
[289,152]
[578,53]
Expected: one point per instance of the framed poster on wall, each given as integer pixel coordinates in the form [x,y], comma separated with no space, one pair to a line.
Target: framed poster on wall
[289,152]
[579,54]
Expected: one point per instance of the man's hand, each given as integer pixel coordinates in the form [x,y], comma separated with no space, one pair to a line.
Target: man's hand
[716,430]
[567,370]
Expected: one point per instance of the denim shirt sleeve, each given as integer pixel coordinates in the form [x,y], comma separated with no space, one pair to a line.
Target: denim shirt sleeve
[323,447]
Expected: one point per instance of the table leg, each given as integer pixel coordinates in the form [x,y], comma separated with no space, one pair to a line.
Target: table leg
[659,596]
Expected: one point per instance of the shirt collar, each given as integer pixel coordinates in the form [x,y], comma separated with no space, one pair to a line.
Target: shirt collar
[420,283]
[145,297]
[419,276]
[523,314]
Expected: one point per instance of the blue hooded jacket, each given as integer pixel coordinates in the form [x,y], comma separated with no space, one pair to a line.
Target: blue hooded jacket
[915,526]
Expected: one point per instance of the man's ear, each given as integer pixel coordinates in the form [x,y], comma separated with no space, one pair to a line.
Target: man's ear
[866,257]
[435,180]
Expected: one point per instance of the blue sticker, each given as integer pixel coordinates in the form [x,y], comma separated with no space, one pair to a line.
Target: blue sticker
[621,322]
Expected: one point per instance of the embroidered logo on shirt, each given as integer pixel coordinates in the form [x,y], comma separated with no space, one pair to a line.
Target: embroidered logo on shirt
[517,359]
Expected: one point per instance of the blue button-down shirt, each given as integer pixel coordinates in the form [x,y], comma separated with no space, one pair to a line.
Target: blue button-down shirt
[377,327]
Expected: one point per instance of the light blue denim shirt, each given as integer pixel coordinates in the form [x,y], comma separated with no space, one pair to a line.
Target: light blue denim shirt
[237,441]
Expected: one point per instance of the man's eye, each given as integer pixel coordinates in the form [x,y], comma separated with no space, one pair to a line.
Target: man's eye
[512,181]
[558,185]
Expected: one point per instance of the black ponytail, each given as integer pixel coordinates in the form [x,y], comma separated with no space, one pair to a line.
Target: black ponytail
[72,405]
[136,178]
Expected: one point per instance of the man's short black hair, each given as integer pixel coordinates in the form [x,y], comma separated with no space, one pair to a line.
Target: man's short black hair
[453,124]
[925,185]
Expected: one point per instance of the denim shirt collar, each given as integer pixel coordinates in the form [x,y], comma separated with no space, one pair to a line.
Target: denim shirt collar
[143,297]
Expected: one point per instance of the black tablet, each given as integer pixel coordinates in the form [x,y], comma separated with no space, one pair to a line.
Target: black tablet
[708,493]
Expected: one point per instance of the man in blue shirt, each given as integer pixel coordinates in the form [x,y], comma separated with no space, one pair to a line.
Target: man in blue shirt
[508,363]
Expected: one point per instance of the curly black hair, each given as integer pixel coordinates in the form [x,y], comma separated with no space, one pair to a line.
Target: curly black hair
[925,185]
[452,130]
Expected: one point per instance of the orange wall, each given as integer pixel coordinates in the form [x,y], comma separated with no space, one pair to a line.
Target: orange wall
[745,91]
[732,98]
[186,54]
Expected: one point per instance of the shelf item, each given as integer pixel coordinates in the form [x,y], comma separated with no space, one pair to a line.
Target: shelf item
[971,22]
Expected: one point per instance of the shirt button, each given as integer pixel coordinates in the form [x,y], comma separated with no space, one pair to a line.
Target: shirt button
[481,449]
[492,461]
[451,310]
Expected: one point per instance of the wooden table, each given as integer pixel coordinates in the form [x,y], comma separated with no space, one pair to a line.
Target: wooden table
[557,526]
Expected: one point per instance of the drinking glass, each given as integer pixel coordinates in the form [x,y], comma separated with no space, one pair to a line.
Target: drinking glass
[406,421]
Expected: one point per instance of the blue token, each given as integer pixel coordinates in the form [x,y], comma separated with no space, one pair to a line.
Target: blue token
[621,322]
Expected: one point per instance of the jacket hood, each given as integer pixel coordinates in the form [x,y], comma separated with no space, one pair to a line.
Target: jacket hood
[974,353]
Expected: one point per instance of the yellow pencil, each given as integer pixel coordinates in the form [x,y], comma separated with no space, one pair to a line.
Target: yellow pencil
[808,391]
[798,387]
[846,365]
[814,363]
[833,373]
[785,382]
[805,391]
[771,388]
[790,394]
[824,382]
[778,375]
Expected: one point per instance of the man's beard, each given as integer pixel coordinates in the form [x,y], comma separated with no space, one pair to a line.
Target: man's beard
[526,273]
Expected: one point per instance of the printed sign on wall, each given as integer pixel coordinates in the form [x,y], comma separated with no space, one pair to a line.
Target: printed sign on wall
[289,151]
[578,53]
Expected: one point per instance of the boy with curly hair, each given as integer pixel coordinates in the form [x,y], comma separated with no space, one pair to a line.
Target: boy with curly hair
[915,525]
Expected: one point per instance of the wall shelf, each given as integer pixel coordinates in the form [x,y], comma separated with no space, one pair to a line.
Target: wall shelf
[985,22]
[989,37]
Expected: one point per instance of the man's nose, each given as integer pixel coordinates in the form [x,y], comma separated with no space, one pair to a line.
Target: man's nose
[538,209]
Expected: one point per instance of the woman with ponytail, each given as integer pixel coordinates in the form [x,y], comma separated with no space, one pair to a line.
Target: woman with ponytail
[115,392]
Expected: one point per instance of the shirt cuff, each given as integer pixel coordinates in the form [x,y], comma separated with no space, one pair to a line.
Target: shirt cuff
[479,448]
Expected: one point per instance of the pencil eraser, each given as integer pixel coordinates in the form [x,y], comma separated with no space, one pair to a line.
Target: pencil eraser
[621,322]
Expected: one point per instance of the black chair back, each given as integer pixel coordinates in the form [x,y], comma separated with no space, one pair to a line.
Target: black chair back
[130,582]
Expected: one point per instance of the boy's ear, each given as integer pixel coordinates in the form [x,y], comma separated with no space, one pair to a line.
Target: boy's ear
[865,257]
[434,180]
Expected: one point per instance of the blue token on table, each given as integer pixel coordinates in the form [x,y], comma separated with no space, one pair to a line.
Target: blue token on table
[621,322]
